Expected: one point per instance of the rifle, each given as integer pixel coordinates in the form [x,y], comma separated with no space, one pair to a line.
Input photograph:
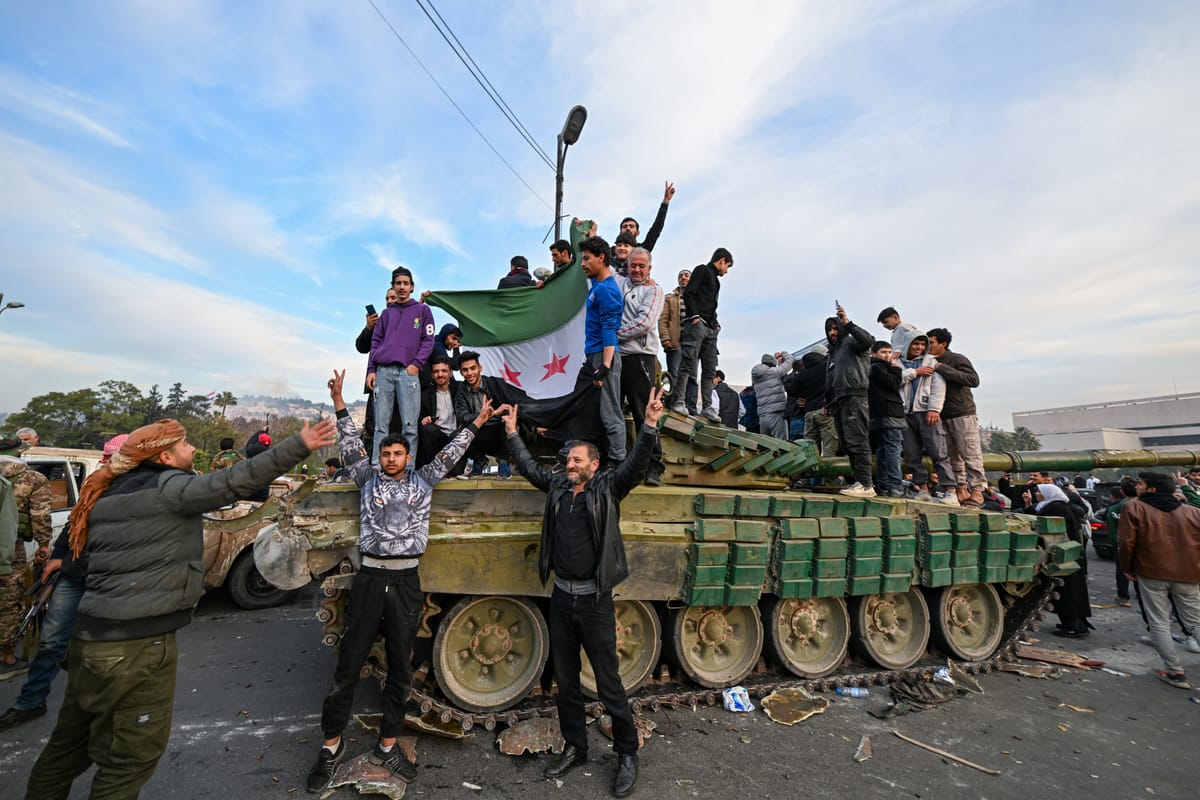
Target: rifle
[40,592]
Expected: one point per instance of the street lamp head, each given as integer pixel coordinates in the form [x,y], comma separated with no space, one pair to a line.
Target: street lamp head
[574,125]
[13,304]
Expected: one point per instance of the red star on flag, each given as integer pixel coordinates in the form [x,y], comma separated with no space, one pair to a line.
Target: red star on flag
[556,366]
[511,377]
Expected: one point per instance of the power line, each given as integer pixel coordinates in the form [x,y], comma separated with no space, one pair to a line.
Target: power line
[477,73]
[474,127]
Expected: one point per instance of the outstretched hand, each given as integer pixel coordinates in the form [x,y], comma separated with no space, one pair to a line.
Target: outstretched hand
[654,408]
[335,389]
[323,434]
[668,191]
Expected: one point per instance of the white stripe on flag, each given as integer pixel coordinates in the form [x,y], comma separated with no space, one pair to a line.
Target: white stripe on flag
[544,367]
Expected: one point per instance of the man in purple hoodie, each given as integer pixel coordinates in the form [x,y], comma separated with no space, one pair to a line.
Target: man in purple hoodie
[400,344]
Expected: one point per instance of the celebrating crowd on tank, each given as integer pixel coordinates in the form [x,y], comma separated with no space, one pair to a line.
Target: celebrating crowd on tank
[897,402]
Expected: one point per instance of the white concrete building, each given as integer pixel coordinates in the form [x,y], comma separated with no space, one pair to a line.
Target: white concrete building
[1156,423]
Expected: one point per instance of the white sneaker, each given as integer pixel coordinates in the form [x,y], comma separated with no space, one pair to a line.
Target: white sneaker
[1191,644]
[680,408]
[858,490]
[947,499]
[711,414]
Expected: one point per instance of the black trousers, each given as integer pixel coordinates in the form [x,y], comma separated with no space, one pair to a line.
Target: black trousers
[637,379]
[854,436]
[430,441]
[490,441]
[588,621]
[381,601]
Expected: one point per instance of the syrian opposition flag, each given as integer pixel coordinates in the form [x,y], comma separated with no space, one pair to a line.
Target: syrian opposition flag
[532,339]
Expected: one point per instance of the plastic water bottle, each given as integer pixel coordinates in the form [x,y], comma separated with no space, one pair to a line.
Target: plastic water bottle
[852,691]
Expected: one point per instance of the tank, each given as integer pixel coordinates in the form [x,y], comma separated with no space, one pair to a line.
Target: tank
[734,577]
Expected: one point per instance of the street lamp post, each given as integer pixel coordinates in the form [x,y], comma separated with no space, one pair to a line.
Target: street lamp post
[567,137]
[15,304]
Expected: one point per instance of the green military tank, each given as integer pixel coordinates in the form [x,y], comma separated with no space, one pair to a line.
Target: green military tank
[734,577]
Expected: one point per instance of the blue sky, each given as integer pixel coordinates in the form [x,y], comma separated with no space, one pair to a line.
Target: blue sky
[211,192]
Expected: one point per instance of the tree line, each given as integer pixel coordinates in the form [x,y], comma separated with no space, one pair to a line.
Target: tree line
[86,418]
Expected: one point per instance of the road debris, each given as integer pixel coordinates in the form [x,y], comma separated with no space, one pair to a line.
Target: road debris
[864,750]
[790,706]
[537,735]
[431,723]
[1052,656]
[366,778]
[1034,670]
[944,754]
[737,699]
[922,692]
[1080,709]
[472,787]
[644,726]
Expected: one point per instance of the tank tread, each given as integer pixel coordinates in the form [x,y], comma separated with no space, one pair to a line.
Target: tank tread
[1022,617]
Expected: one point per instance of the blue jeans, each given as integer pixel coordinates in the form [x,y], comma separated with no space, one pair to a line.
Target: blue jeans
[887,459]
[796,429]
[56,635]
[394,386]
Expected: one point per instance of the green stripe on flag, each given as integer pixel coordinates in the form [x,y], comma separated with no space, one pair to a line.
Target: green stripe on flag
[503,316]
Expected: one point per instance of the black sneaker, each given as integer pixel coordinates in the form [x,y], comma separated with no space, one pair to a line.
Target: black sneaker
[321,774]
[396,761]
[15,716]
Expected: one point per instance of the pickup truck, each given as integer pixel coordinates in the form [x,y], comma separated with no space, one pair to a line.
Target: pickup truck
[228,555]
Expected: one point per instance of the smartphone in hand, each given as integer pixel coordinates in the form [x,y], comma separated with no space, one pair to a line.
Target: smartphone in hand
[371,309]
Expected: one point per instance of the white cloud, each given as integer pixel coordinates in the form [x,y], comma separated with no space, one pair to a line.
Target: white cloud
[42,194]
[47,101]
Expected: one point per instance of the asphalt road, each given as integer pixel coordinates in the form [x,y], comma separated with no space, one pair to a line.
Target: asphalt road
[251,683]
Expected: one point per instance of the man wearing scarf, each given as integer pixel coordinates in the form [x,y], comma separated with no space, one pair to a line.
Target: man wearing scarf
[139,517]
[1159,546]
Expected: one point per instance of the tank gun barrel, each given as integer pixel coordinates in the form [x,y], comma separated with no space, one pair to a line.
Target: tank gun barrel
[1054,461]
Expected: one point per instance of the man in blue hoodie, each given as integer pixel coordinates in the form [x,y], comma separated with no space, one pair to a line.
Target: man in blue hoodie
[401,343]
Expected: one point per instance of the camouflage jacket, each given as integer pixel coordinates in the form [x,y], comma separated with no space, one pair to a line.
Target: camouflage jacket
[8,526]
[31,490]
[394,512]
[225,458]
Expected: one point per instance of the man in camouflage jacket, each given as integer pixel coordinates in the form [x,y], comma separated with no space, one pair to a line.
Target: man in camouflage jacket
[31,491]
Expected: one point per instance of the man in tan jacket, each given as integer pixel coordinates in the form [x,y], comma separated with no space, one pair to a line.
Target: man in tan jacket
[1159,544]
[669,327]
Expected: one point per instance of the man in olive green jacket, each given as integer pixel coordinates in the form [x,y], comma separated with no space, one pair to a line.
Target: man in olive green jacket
[139,516]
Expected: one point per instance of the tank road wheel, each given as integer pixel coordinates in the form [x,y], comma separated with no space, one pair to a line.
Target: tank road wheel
[717,646]
[892,629]
[968,620]
[490,651]
[808,636]
[1017,588]
[639,644]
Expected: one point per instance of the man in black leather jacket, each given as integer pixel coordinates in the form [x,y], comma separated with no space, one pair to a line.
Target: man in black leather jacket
[581,543]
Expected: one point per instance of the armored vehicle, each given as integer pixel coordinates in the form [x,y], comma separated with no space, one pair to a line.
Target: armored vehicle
[734,577]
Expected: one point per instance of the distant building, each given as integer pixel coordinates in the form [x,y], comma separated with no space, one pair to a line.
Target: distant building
[1153,423]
